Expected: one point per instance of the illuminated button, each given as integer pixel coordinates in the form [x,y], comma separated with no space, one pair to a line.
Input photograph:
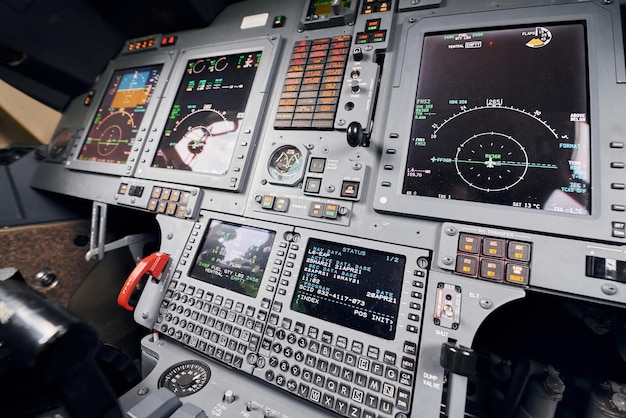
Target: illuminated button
[350,189]
[175,195]
[493,247]
[181,212]
[469,243]
[281,204]
[152,205]
[466,265]
[279,21]
[517,274]
[267,202]
[156,192]
[312,185]
[331,211]
[171,209]
[519,251]
[492,269]
[184,198]
[316,210]
[372,25]
[123,188]
[379,36]
[162,207]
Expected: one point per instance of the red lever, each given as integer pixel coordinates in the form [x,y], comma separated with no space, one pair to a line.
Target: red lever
[152,265]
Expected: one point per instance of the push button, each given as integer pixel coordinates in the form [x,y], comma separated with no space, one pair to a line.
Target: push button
[492,270]
[469,243]
[493,247]
[519,251]
[312,185]
[517,274]
[467,265]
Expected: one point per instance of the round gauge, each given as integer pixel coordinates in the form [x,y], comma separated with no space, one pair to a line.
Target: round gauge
[185,378]
[112,130]
[59,143]
[286,164]
[491,161]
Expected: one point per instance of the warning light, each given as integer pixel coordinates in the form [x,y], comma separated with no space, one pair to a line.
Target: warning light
[169,40]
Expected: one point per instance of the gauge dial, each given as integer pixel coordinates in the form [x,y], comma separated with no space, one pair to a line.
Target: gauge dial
[491,161]
[186,378]
[285,164]
[113,130]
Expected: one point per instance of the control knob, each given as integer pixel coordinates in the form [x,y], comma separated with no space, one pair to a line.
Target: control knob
[229,396]
[356,136]
[336,5]
[357,54]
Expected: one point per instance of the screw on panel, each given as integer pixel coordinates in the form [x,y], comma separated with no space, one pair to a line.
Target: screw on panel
[448,261]
[170,236]
[412,20]
[451,231]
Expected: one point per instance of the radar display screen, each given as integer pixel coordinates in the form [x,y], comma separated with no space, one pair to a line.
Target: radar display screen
[354,287]
[119,116]
[501,117]
[233,257]
[201,132]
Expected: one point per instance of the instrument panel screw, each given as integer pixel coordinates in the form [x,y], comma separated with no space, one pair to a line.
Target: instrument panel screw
[447,260]
[451,231]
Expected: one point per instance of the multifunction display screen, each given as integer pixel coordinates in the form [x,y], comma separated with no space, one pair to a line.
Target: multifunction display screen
[233,257]
[119,116]
[354,287]
[501,117]
[201,131]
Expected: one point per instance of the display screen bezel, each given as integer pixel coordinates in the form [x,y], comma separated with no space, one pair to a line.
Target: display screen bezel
[147,59]
[233,178]
[225,283]
[363,304]
[537,159]
[389,196]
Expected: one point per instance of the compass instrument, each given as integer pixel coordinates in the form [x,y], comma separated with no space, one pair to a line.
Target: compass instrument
[185,378]
[120,114]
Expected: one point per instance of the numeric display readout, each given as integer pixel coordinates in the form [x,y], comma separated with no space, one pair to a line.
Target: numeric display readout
[358,288]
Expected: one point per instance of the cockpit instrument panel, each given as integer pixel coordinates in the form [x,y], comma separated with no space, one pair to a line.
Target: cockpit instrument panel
[207,124]
[128,97]
[507,122]
[506,133]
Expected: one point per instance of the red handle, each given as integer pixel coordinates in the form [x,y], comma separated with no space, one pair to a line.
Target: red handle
[152,265]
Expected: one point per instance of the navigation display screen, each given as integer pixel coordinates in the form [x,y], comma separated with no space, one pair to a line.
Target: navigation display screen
[354,287]
[119,116]
[201,132]
[501,116]
[233,257]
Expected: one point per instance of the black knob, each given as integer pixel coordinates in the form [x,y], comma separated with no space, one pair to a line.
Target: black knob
[458,360]
[355,134]
[357,54]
